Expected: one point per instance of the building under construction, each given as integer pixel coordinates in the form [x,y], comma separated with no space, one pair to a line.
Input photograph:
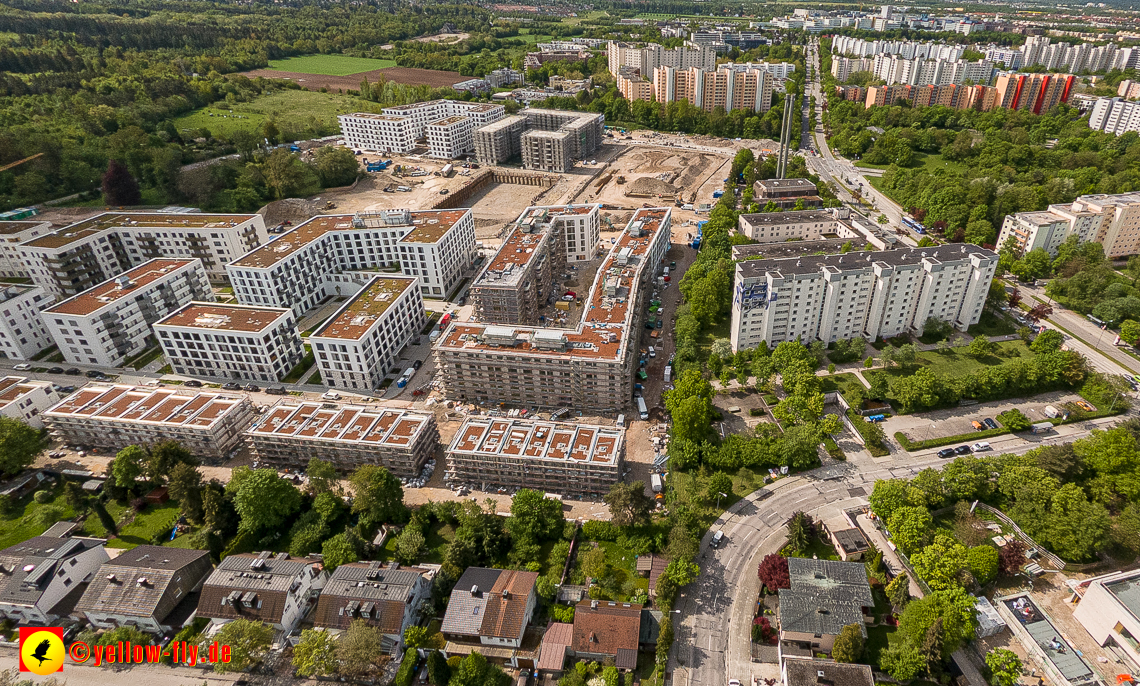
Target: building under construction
[520,278]
[549,140]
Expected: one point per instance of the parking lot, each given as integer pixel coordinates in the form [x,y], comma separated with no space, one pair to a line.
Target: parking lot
[959,420]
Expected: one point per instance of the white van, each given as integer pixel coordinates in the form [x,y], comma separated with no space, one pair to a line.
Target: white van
[717,538]
[1052,412]
[652,351]
[621,421]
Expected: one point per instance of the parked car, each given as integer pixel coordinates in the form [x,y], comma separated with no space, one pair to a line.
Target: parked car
[946,452]
[22,367]
[990,423]
[231,386]
[193,383]
[252,388]
[1085,406]
[73,372]
[417,364]
[67,389]
[331,395]
[276,390]
[94,374]
[717,538]
[978,426]
[962,450]
[981,447]
[55,370]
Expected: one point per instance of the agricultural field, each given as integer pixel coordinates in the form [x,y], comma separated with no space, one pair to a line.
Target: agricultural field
[329,65]
[291,110]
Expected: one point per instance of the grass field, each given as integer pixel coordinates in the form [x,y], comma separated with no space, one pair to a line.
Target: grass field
[290,109]
[330,65]
[145,525]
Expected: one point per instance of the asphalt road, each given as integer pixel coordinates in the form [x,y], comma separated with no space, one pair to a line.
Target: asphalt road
[1097,344]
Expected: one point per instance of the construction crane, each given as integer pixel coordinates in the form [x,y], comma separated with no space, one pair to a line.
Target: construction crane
[19,162]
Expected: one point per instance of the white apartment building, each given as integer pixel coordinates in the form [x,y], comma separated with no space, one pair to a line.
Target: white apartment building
[397,129]
[44,570]
[780,70]
[112,322]
[330,255]
[874,295]
[648,57]
[347,435]
[12,234]
[931,72]
[229,342]
[77,257]
[209,424]
[858,47]
[1012,58]
[804,225]
[1109,609]
[361,343]
[1111,220]
[843,67]
[26,399]
[22,330]
[1115,115]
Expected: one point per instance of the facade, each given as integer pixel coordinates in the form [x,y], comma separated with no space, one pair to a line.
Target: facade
[534,60]
[110,323]
[273,589]
[387,597]
[522,277]
[208,424]
[1109,610]
[45,570]
[142,586]
[361,342]
[229,342]
[605,631]
[590,366]
[840,587]
[729,89]
[1129,89]
[785,193]
[86,253]
[843,67]
[548,140]
[1115,115]
[803,225]
[26,399]
[12,234]
[22,330]
[491,607]
[958,97]
[873,295]
[1034,92]
[648,57]
[569,459]
[331,256]
[291,433]
[446,124]
[1111,220]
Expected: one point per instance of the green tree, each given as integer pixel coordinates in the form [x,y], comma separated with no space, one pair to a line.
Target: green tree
[848,646]
[337,551]
[941,563]
[409,544]
[262,499]
[248,640]
[690,404]
[322,477]
[801,531]
[438,671]
[1130,331]
[1075,528]
[887,496]
[910,527]
[163,457]
[981,347]
[379,496]
[798,446]
[983,562]
[288,176]
[628,503]
[898,592]
[128,466]
[903,661]
[474,670]
[185,486]
[19,445]
[534,516]
[315,654]
[1048,341]
[417,637]
[720,484]
[335,166]
[360,649]
[1005,667]
[953,607]
[594,563]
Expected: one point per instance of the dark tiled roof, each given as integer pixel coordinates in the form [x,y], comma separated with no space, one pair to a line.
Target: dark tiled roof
[810,264]
[488,611]
[379,592]
[145,581]
[650,626]
[270,583]
[27,568]
[608,629]
[825,596]
[806,673]
[852,540]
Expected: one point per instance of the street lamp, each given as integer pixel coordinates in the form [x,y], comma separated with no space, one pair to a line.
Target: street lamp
[718,497]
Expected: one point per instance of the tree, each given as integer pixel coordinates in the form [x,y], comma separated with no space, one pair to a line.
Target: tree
[438,671]
[322,476]
[720,485]
[1005,667]
[939,328]
[315,654]
[474,670]
[629,506]
[953,607]
[163,456]
[981,347]
[773,572]
[1075,528]
[983,563]
[288,176]
[1130,331]
[887,496]
[690,404]
[379,496]
[19,445]
[941,563]
[119,187]
[594,563]
[534,516]
[128,466]
[898,592]
[409,544]
[262,499]
[248,640]
[337,551]
[359,649]
[910,527]
[335,166]
[185,486]
[798,446]
[1039,312]
[903,661]
[1035,264]
[848,646]
[417,637]
[1048,341]
[801,531]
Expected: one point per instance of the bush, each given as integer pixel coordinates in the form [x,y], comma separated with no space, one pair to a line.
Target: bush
[562,613]
[872,434]
[42,497]
[1014,420]
[407,669]
[601,531]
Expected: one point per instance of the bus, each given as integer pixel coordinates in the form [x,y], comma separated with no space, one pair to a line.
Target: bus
[913,225]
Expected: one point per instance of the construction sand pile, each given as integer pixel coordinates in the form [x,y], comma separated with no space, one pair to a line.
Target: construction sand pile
[295,210]
[648,185]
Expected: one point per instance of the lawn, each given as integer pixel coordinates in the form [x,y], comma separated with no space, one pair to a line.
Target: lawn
[841,382]
[145,525]
[93,526]
[819,548]
[22,525]
[992,325]
[704,343]
[330,65]
[878,638]
[302,367]
[922,160]
[290,109]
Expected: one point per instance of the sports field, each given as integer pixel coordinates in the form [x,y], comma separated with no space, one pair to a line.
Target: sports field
[291,110]
[329,65]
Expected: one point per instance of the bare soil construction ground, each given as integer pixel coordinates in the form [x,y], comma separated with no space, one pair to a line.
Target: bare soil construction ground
[405,75]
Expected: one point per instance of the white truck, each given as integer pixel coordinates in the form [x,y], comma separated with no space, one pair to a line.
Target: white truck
[655,483]
[668,373]
[642,409]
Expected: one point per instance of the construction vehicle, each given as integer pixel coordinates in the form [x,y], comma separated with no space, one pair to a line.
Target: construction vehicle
[19,162]
[377,166]
[619,180]
[330,205]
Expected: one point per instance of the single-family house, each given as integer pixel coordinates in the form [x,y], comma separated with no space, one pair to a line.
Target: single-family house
[825,596]
[36,576]
[386,597]
[142,586]
[274,589]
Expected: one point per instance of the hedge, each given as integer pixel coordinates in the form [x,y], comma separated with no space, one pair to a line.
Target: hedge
[910,445]
[860,425]
[407,669]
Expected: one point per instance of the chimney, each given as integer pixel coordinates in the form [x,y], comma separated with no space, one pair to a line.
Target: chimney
[475,591]
[593,604]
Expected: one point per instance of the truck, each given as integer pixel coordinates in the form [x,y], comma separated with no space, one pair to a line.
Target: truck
[377,166]
[444,321]
[655,483]
[1041,427]
[405,377]
[643,411]
[1052,412]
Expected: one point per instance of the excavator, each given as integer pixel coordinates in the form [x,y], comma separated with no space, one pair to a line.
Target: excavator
[17,163]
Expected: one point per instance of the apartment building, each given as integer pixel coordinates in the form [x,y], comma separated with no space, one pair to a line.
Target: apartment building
[209,424]
[142,587]
[112,322]
[446,124]
[873,295]
[588,367]
[231,342]
[730,89]
[958,97]
[1009,58]
[386,597]
[82,255]
[26,399]
[12,234]
[1034,92]
[41,572]
[633,87]
[650,56]
[568,459]
[799,225]
[858,47]
[852,93]
[22,330]
[1129,89]
[361,342]
[1111,220]
[843,67]
[496,143]
[1115,115]
[534,60]
[930,72]
[548,140]
[347,435]
[273,589]
[328,255]
[785,193]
